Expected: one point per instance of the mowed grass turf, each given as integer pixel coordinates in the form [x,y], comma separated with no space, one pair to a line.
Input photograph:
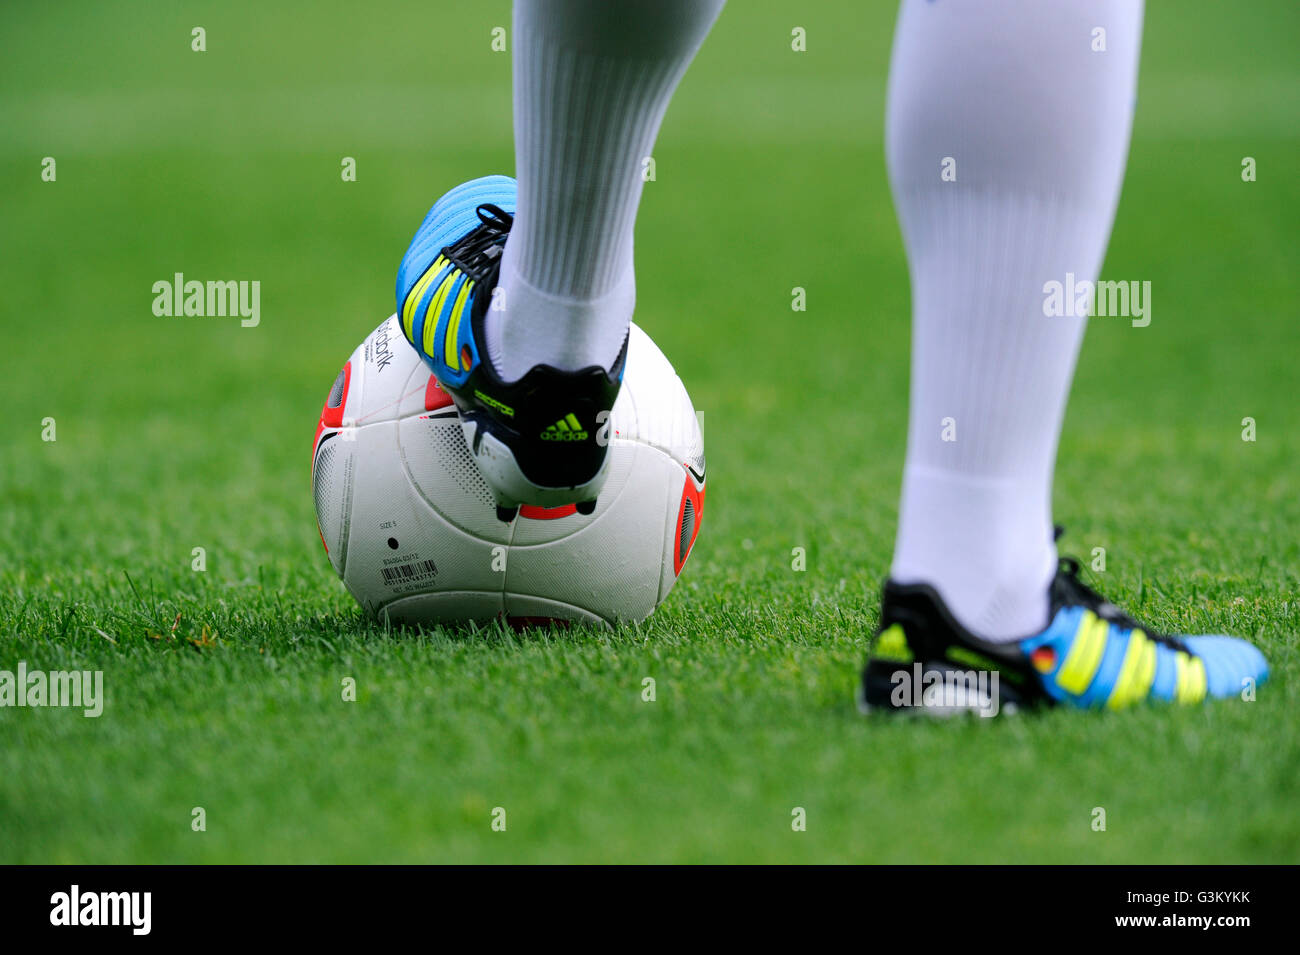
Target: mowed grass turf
[180,433]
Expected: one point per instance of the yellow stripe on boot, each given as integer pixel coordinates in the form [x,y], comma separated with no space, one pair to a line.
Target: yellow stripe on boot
[1136,673]
[1085,654]
[435,307]
[453,328]
[417,293]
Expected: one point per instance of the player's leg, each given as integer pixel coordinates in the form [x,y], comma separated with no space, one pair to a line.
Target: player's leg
[592,84]
[1007,135]
[530,340]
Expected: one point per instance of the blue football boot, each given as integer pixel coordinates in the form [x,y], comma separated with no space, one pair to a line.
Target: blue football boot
[1090,655]
[541,440]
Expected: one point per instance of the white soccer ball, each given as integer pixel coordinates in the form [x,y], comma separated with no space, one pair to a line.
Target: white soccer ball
[412,529]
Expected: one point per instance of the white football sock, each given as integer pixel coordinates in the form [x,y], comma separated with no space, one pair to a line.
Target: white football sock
[592,80]
[1014,99]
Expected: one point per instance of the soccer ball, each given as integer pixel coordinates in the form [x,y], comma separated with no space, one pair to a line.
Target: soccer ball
[411,527]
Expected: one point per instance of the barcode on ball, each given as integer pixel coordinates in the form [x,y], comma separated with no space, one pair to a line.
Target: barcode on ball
[405,572]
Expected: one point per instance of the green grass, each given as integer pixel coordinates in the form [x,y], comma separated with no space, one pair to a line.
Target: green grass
[173,434]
